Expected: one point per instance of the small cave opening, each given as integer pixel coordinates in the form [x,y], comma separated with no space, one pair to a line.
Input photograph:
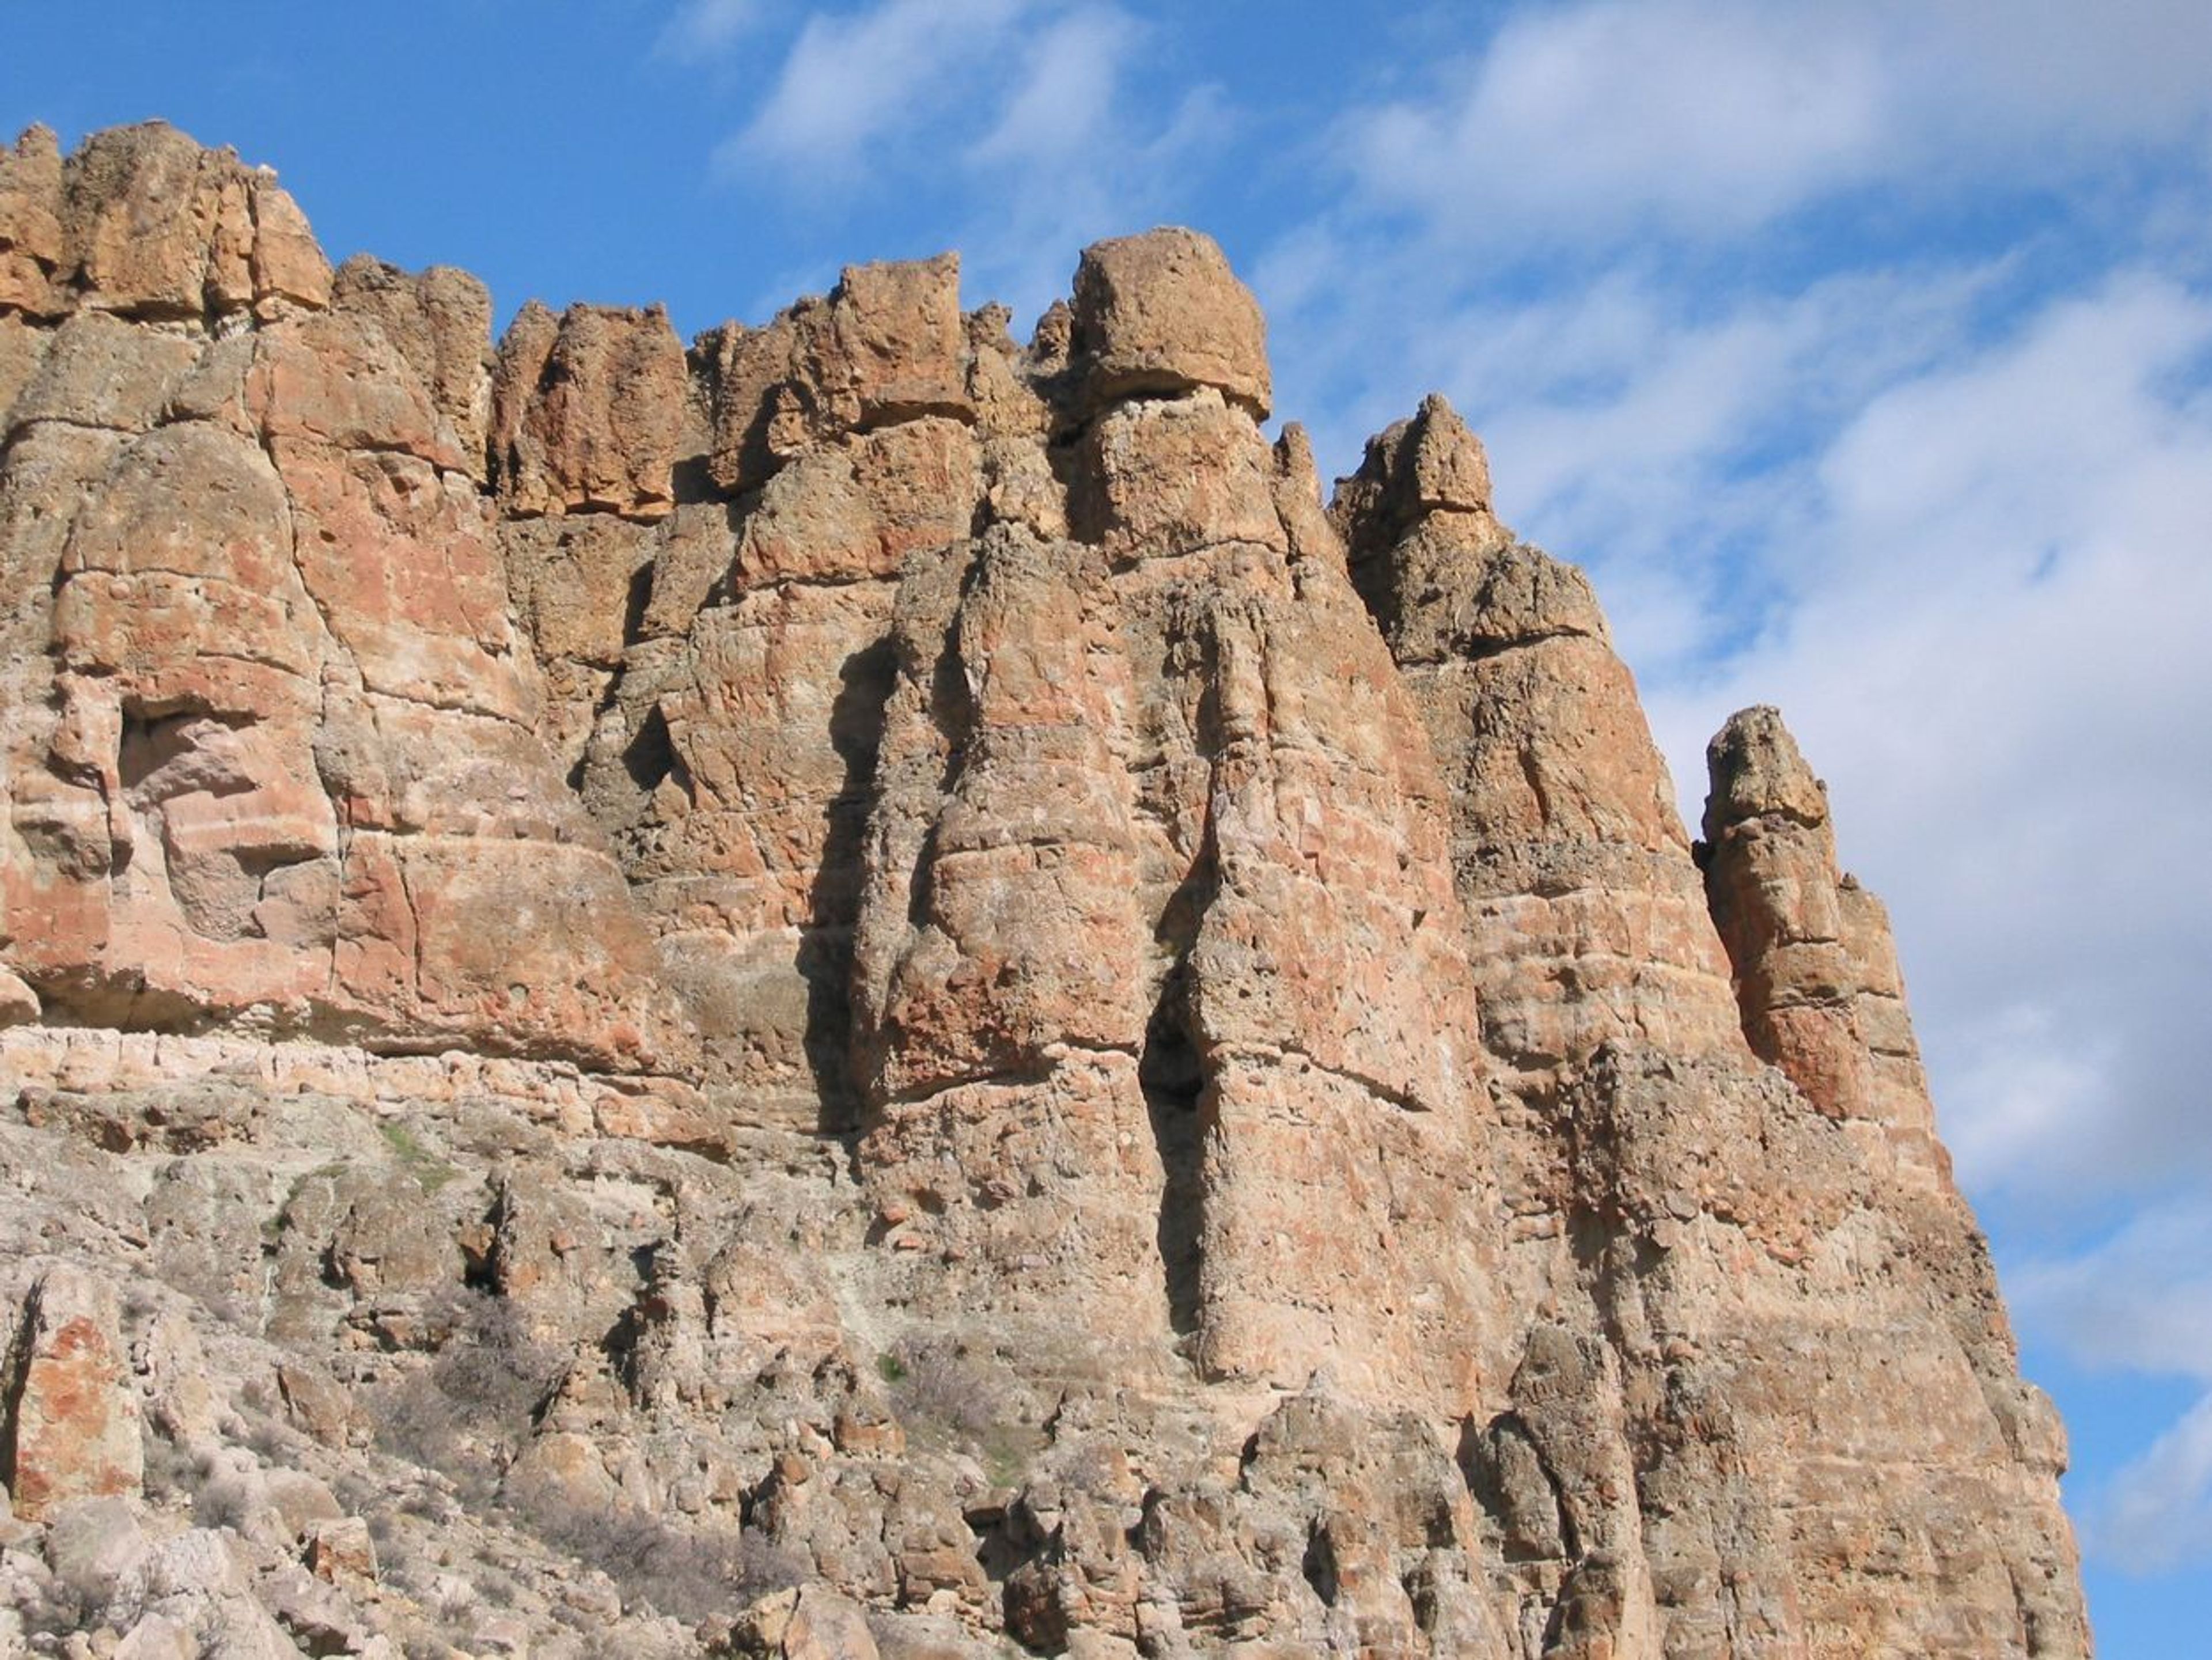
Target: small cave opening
[650,755]
[637,599]
[1319,1565]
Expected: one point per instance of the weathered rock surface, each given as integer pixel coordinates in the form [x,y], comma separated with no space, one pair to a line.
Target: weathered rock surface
[1815,969]
[863,990]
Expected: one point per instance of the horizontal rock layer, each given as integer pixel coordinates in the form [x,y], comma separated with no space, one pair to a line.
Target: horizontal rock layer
[857,989]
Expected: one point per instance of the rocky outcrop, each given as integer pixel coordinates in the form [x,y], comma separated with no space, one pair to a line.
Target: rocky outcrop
[1815,969]
[72,1421]
[1625,1026]
[1590,923]
[275,750]
[862,989]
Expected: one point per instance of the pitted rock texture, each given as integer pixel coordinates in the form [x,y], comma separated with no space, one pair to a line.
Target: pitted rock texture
[860,989]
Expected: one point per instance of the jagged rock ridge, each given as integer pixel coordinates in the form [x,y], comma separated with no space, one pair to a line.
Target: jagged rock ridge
[858,989]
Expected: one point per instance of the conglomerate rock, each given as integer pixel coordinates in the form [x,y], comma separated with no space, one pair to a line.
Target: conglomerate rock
[865,990]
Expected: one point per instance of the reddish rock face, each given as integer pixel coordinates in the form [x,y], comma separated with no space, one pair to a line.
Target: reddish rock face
[72,1416]
[142,222]
[949,967]
[1590,925]
[587,411]
[284,764]
[887,345]
[1640,1119]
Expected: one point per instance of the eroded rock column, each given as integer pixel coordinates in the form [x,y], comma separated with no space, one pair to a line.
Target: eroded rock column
[1816,968]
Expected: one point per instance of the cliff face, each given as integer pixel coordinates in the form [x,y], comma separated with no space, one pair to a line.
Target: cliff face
[860,990]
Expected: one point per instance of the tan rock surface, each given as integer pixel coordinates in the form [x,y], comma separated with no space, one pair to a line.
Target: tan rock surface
[886,345]
[1161,315]
[867,991]
[588,411]
[1607,1007]
[1816,969]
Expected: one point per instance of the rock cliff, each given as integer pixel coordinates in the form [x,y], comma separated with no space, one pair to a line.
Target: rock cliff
[856,989]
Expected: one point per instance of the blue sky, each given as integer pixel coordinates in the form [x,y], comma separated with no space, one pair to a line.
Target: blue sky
[1863,352]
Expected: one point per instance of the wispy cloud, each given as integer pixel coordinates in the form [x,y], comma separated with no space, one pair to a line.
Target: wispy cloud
[854,78]
[1988,645]
[1594,121]
[1030,126]
[1063,90]
[2157,1513]
[1109,164]
[1590,125]
[2141,1301]
[703,30]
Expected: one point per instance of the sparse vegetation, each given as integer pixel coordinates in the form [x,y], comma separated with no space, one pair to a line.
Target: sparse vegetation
[947,1395]
[53,1612]
[224,1502]
[171,1471]
[468,1415]
[430,1171]
[687,1574]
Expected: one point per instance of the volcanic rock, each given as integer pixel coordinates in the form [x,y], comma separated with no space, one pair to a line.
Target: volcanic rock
[864,990]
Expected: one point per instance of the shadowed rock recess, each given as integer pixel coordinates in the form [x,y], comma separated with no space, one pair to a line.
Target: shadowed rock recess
[858,990]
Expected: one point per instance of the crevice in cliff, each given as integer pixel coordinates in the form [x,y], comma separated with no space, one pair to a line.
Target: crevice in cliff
[1027,1072]
[1318,1566]
[1531,1524]
[96,997]
[1172,1072]
[1465,654]
[15,1382]
[866,681]
[1391,1095]
[952,711]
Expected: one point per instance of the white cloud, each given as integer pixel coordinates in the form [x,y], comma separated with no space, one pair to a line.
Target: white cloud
[2139,1300]
[1994,651]
[852,78]
[2039,436]
[1992,646]
[1065,96]
[1661,436]
[702,29]
[1597,118]
[2020,1080]
[1589,125]
[1030,127]
[1129,171]
[2001,77]
[2157,1512]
